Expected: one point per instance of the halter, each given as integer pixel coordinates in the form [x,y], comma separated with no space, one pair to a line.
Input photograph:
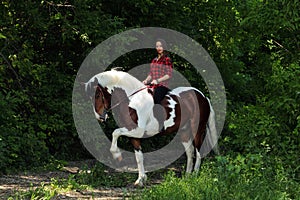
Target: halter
[103,115]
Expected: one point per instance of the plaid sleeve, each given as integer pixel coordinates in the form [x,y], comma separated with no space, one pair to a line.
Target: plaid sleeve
[152,68]
[168,66]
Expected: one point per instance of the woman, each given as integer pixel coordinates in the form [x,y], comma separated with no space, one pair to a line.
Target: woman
[161,69]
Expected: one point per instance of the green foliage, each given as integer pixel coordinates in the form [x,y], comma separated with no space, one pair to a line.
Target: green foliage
[42,45]
[42,192]
[255,45]
[54,189]
[99,175]
[271,127]
[16,134]
[240,177]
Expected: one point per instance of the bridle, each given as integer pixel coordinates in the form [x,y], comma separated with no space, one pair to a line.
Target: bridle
[106,109]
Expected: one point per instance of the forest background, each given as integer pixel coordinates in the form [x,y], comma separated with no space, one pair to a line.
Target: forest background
[254,43]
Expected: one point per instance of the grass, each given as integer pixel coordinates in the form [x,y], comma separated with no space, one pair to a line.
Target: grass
[224,177]
[222,180]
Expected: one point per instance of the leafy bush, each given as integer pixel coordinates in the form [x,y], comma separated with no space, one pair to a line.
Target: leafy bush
[254,44]
[20,144]
[271,127]
[42,46]
[240,177]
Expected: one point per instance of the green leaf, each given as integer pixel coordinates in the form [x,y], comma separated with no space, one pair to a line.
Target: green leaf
[2,36]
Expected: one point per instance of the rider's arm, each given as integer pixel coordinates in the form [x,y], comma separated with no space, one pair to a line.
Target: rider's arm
[164,78]
[147,80]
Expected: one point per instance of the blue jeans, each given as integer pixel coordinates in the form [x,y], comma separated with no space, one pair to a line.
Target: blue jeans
[159,93]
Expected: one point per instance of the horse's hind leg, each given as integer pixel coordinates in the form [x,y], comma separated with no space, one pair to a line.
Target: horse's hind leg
[189,150]
[198,161]
[198,140]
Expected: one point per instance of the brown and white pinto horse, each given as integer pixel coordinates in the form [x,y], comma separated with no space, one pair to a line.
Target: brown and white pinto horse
[186,111]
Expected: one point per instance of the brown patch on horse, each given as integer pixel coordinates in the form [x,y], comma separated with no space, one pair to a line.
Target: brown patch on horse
[204,115]
[136,143]
[198,107]
[101,103]
[124,115]
[191,116]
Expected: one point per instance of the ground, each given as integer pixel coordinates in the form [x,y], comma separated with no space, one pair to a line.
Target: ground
[10,184]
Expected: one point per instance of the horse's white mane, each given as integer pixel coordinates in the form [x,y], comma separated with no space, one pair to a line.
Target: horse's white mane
[120,79]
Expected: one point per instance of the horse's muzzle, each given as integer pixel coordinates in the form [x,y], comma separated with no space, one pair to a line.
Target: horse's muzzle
[103,116]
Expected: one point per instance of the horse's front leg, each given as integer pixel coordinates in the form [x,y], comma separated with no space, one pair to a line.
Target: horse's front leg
[114,149]
[135,133]
[140,161]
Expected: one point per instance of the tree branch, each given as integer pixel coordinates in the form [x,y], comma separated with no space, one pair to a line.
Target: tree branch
[59,5]
[12,69]
[281,46]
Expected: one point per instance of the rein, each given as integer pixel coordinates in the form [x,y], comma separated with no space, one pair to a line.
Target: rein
[103,116]
[117,104]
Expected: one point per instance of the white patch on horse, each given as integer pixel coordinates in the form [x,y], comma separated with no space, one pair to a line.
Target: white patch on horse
[96,115]
[142,101]
[171,121]
[198,161]
[140,162]
[111,79]
[179,90]
[189,150]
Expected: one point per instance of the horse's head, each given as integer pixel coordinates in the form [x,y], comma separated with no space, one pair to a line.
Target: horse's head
[101,100]
[101,103]
[102,88]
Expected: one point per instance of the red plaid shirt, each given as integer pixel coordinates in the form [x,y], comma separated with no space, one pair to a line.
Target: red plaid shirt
[160,67]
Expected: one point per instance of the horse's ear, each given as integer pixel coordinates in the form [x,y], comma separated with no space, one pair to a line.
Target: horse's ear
[83,86]
[89,89]
[95,81]
[117,69]
[90,86]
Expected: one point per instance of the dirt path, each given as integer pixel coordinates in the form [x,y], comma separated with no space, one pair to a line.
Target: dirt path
[10,184]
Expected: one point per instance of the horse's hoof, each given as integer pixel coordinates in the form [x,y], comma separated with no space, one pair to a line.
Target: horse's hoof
[138,183]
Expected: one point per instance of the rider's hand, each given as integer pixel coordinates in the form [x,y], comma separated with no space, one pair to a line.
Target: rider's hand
[145,82]
[154,82]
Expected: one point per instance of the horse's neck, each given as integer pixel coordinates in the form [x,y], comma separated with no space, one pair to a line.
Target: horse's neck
[119,95]
[114,79]
[128,83]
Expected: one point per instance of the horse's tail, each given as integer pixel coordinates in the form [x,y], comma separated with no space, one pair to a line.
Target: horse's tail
[211,130]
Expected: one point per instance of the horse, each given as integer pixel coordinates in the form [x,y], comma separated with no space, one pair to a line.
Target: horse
[185,110]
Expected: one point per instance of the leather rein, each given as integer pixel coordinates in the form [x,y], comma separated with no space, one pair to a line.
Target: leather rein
[106,110]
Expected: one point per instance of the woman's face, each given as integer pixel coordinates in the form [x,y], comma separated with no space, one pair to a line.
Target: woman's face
[159,48]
